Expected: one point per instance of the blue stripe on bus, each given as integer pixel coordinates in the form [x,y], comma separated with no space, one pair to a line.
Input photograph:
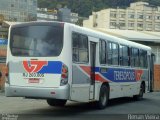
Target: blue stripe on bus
[52,67]
[121,74]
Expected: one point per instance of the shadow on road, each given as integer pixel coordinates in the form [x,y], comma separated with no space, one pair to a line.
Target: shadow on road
[73,109]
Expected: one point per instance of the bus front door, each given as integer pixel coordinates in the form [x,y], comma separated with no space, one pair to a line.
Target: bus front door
[92,74]
[83,78]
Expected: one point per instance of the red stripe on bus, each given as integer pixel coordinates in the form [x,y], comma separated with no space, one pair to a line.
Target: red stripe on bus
[99,78]
[87,69]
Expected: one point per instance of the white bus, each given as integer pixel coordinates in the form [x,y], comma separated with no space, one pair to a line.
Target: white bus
[61,61]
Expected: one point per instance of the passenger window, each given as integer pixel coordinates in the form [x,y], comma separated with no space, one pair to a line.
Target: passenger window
[102,51]
[135,57]
[109,51]
[124,55]
[115,54]
[80,48]
[112,51]
[143,59]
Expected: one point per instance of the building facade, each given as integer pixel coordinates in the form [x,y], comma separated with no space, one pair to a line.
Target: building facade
[13,11]
[43,14]
[62,14]
[65,15]
[18,10]
[140,16]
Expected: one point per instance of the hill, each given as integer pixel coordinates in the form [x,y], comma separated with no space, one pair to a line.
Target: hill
[85,7]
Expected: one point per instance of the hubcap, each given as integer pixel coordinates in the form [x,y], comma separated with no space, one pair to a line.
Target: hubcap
[141,91]
[104,98]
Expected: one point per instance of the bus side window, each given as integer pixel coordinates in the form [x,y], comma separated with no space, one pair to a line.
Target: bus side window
[134,57]
[102,52]
[109,51]
[143,59]
[112,51]
[115,57]
[75,39]
[80,48]
[124,55]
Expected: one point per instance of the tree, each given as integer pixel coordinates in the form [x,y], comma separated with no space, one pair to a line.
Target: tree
[85,7]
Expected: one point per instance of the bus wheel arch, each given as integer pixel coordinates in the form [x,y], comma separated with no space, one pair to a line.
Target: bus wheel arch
[141,91]
[103,96]
[143,83]
[144,86]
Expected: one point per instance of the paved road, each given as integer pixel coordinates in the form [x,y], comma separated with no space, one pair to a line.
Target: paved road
[119,108]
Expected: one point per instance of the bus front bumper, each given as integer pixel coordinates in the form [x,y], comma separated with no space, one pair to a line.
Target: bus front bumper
[61,92]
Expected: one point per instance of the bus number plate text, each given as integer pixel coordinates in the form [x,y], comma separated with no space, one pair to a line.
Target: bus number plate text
[33,75]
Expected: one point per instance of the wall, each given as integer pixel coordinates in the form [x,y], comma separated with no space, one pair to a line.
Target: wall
[156,85]
[3,69]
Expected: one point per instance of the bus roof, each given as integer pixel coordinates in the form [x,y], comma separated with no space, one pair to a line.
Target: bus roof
[92,33]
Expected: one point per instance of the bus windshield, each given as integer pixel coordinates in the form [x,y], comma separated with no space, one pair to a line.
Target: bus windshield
[36,41]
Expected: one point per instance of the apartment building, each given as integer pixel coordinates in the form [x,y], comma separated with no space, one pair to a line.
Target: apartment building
[44,14]
[140,16]
[18,10]
[62,14]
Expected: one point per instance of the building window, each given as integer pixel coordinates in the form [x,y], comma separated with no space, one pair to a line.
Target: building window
[113,15]
[12,5]
[140,25]
[157,17]
[130,16]
[122,25]
[122,15]
[149,26]
[102,51]
[149,17]
[80,48]
[124,55]
[157,27]
[112,24]
[112,50]
[130,24]
[140,16]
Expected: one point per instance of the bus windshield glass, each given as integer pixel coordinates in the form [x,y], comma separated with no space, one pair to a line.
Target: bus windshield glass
[36,41]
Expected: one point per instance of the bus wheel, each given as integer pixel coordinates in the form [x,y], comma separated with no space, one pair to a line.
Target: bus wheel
[103,97]
[140,95]
[56,102]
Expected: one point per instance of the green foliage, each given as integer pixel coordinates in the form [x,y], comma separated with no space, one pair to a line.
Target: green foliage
[85,7]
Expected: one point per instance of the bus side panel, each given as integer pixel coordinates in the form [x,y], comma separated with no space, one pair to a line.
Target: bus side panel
[124,81]
[80,84]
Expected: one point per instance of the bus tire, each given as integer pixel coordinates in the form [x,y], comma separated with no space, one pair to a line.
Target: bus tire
[140,95]
[103,97]
[56,102]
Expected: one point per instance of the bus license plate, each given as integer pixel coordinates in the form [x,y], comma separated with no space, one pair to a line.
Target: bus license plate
[33,75]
